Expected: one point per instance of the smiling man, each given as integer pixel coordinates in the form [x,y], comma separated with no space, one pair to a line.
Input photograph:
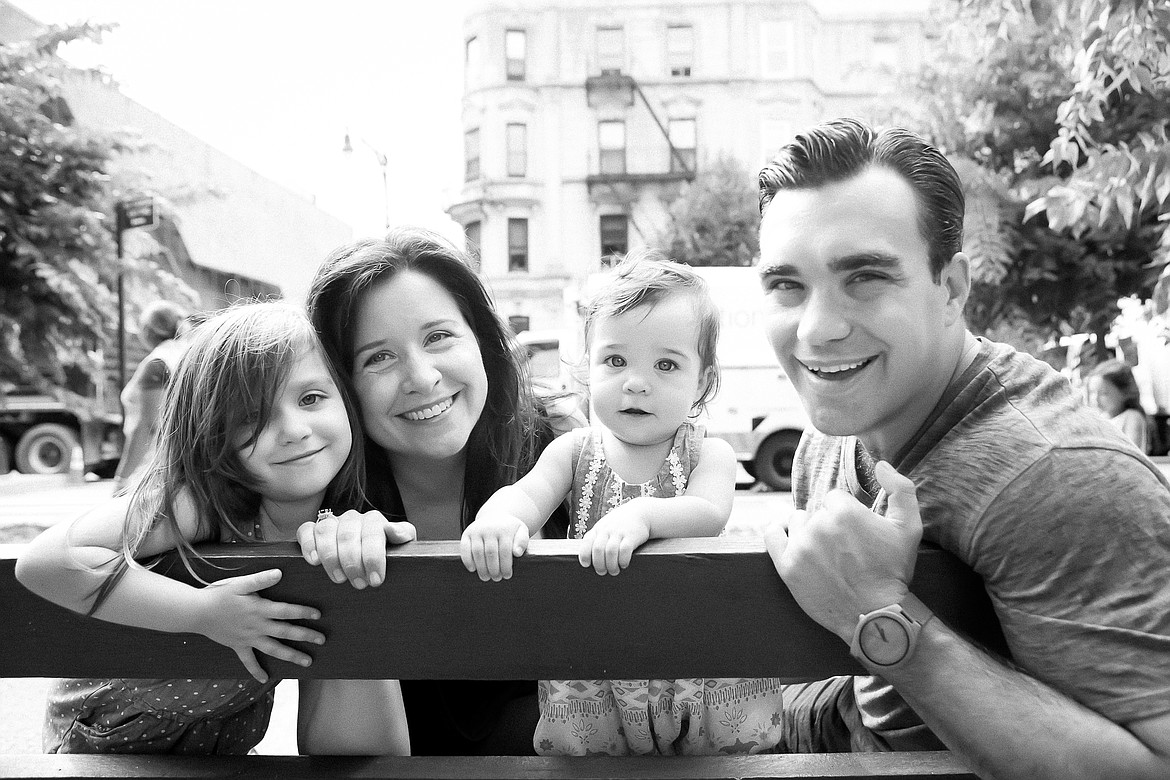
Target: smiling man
[993,458]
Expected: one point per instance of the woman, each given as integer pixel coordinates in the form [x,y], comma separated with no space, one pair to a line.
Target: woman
[449,417]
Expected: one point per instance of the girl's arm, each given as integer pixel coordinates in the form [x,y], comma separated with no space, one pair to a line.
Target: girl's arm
[702,511]
[352,717]
[515,512]
[69,562]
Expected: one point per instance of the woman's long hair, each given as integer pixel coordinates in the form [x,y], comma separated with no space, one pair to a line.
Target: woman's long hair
[510,432]
[224,389]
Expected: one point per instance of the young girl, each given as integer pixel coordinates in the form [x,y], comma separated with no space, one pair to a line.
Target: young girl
[1114,391]
[643,471]
[256,437]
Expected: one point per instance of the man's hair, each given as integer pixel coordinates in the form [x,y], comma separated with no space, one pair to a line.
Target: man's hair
[647,278]
[843,148]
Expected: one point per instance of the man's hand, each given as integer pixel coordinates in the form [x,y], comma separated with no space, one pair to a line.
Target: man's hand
[609,545]
[235,616]
[843,560]
[352,547]
[490,543]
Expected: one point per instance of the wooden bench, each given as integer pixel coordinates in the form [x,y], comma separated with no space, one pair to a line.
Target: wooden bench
[685,608]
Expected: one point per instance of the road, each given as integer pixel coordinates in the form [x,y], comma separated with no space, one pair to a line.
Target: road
[29,504]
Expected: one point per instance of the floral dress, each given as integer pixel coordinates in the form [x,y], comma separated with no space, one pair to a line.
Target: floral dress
[696,716]
[192,717]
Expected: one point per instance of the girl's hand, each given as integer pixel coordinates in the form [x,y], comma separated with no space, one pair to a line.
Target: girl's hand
[236,617]
[609,545]
[352,547]
[489,544]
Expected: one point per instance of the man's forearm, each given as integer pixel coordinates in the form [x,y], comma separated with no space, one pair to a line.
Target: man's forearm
[1007,724]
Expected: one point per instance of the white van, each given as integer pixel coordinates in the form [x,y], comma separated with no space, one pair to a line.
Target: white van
[756,410]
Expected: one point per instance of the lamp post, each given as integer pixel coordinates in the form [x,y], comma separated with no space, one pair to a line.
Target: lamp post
[347,148]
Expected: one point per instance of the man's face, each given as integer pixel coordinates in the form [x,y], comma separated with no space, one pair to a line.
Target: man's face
[867,337]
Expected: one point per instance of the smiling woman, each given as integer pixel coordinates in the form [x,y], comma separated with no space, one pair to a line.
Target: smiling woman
[449,416]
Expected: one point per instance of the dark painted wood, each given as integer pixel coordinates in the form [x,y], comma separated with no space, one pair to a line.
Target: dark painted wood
[685,608]
[840,766]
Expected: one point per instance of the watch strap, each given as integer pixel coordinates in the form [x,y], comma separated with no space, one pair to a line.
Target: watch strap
[915,609]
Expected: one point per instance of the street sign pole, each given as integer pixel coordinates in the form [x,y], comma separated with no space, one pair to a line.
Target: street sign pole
[134,213]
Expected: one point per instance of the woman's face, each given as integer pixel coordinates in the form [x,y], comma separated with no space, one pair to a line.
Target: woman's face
[417,368]
[1105,396]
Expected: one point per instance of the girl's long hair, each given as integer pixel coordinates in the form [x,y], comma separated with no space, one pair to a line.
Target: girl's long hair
[219,400]
[512,429]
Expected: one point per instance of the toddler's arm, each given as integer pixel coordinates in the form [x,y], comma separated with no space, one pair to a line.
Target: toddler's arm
[514,513]
[69,562]
[702,511]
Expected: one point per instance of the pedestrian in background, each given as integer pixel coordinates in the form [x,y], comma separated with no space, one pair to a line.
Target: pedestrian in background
[160,327]
[1113,389]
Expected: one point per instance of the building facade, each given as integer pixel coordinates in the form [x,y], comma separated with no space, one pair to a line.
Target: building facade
[584,120]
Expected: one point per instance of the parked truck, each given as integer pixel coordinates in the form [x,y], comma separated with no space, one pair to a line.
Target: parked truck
[39,433]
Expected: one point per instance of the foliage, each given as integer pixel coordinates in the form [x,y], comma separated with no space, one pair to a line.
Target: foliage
[58,260]
[715,221]
[1055,114]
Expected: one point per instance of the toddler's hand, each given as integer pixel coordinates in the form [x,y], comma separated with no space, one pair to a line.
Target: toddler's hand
[352,547]
[609,545]
[489,544]
[236,617]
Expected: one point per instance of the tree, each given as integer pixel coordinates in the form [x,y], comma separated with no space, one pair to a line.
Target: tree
[715,220]
[58,262]
[1055,113]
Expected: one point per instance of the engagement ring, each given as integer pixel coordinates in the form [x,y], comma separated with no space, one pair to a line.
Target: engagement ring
[324,513]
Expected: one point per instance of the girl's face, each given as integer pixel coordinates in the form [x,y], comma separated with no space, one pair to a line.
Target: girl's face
[306,440]
[1105,396]
[417,369]
[645,374]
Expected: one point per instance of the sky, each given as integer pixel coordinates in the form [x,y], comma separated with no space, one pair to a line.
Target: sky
[277,85]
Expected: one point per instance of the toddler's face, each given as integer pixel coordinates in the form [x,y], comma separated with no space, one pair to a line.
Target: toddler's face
[645,374]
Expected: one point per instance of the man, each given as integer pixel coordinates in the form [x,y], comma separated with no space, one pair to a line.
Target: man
[1069,526]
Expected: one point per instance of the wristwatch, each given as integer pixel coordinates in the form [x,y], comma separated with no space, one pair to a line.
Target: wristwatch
[887,637]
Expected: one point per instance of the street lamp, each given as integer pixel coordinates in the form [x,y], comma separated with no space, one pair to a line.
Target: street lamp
[347,148]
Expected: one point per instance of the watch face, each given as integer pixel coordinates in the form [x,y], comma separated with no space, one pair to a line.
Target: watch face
[884,640]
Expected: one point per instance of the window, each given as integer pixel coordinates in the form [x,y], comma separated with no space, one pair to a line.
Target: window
[471,59]
[777,39]
[615,237]
[682,138]
[471,235]
[515,53]
[680,49]
[471,155]
[611,49]
[611,141]
[517,245]
[519,323]
[516,138]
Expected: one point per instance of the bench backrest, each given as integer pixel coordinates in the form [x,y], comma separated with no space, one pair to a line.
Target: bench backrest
[684,608]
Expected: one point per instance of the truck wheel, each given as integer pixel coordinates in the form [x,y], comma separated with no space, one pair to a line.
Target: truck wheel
[773,464]
[45,449]
[5,456]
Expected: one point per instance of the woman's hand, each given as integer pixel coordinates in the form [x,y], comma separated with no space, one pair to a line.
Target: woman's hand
[609,545]
[233,615]
[352,547]
[489,544]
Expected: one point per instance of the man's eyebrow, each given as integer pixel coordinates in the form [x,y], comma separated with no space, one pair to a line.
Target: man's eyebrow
[865,260]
